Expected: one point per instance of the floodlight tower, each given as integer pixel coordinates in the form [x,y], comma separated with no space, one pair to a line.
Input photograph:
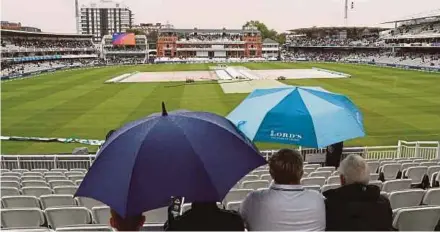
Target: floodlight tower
[77,17]
[346,13]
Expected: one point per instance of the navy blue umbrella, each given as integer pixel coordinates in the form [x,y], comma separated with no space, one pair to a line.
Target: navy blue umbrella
[195,155]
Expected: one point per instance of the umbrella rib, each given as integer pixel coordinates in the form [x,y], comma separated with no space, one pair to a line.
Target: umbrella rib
[132,170]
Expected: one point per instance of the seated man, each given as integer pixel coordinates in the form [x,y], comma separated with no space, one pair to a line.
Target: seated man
[132,223]
[286,205]
[357,205]
[206,217]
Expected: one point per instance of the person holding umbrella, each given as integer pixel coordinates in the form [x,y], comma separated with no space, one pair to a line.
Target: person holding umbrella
[198,156]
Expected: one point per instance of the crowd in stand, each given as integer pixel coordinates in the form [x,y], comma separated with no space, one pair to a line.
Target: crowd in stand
[210,37]
[46,43]
[125,60]
[308,42]
[126,48]
[8,68]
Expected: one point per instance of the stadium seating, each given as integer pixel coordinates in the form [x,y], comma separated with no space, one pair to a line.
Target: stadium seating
[9,191]
[57,200]
[406,198]
[417,218]
[22,218]
[101,215]
[89,203]
[255,184]
[10,202]
[233,205]
[395,185]
[156,216]
[236,195]
[36,191]
[313,181]
[329,186]
[432,197]
[67,216]
[65,190]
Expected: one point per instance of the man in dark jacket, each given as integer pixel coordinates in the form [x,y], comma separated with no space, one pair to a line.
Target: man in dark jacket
[356,205]
[208,217]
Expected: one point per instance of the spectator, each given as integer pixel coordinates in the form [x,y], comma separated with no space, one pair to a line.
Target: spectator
[286,205]
[357,205]
[208,217]
[132,223]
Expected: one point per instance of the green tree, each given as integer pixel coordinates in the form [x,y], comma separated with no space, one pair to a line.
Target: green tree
[266,32]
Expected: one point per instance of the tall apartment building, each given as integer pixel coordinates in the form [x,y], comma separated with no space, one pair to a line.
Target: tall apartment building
[104,18]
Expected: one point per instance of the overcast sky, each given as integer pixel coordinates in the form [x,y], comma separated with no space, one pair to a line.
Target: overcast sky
[59,15]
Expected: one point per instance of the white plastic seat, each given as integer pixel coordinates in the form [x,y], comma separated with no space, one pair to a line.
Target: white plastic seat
[417,218]
[406,198]
[101,215]
[32,174]
[432,197]
[378,183]
[20,202]
[65,190]
[267,177]
[159,215]
[418,160]
[52,178]
[36,191]
[334,180]
[22,218]
[9,191]
[324,169]
[34,183]
[67,216]
[374,176]
[85,228]
[405,166]
[12,184]
[432,170]
[40,170]
[55,183]
[17,174]
[4,170]
[57,200]
[312,187]
[233,205]
[329,186]
[335,173]
[324,174]
[89,203]
[428,164]
[78,182]
[185,207]
[236,195]
[416,174]
[76,177]
[32,178]
[9,178]
[313,181]
[314,166]
[20,170]
[308,170]
[260,172]
[255,184]
[53,173]
[250,177]
[390,170]
[73,173]
[396,185]
[82,170]
[62,170]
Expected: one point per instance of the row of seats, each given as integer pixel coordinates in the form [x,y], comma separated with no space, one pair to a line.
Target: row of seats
[40,183]
[48,201]
[43,170]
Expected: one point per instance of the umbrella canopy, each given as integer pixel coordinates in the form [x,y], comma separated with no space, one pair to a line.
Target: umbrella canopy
[306,116]
[195,155]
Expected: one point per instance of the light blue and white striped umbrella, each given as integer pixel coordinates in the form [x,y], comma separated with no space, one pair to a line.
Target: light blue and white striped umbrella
[306,116]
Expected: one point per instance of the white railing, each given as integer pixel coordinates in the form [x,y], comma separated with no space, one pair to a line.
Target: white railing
[404,149]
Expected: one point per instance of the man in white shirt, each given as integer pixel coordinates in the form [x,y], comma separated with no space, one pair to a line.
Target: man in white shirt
[286,205]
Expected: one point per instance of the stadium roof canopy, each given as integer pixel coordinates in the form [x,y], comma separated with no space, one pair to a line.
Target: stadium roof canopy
[314,29]
[41,34]
[420,16]
[232,31]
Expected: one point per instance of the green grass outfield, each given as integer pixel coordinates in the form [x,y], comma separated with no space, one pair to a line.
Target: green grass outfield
[397,104]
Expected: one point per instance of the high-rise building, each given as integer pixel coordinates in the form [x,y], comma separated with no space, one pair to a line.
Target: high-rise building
[105,18]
